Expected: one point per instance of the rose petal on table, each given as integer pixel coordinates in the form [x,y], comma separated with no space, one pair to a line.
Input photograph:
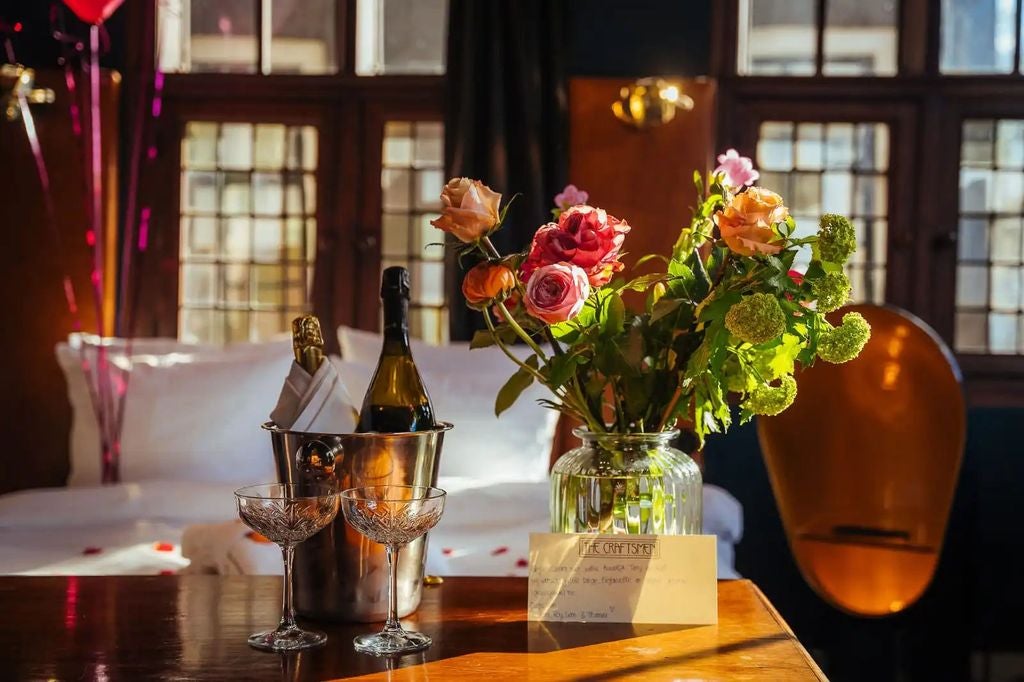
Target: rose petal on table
[447,551]
[92,550]
[499,550]
[163,547]
[522,563]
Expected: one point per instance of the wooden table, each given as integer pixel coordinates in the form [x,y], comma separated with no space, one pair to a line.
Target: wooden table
[194,628]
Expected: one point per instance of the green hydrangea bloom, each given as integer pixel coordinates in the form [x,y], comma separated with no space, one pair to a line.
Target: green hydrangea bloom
[845,342]
[832,291]
[756,319]
[771,400]
[836,239]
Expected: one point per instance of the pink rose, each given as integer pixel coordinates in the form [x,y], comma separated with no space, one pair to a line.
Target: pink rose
[586,237]
[739,170]
[570,196]
[556,292]
[470,209]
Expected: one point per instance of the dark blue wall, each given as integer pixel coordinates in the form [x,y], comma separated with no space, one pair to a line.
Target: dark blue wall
[639,37]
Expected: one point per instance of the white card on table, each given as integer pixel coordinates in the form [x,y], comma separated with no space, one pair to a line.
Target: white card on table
[623,578]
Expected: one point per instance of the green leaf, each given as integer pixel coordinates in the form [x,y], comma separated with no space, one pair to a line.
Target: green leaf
[568,331]
[504,211]
[644,282]
[632,350]
[664,308]
[780,358]
[717,308]
[561,368]
[514,387]
[681,280]
[649,257]
[614,315]
[482,338]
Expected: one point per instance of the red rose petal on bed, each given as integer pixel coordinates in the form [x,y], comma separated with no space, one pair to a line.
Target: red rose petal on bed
[92,550]
[447,551]
[499,550]
[168,571]
[163,547]
[522,563]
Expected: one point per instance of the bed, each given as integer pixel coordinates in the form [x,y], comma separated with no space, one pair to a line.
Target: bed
[191,437]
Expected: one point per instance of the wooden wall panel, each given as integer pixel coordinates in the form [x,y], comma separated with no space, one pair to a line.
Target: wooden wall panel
[643,176]
[34,411]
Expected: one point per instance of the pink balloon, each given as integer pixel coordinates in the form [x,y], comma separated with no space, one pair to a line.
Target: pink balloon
[93,11]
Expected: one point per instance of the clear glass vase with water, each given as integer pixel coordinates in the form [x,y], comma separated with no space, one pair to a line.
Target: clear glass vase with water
[635,484]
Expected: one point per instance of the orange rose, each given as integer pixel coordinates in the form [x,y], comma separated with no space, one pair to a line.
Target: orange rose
[746,223]
[486,283]
[470,209]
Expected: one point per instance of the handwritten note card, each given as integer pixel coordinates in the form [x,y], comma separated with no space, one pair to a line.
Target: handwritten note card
[623,579]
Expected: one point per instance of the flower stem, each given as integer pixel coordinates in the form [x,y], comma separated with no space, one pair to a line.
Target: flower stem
[511,356]
[667,415]
[577,403]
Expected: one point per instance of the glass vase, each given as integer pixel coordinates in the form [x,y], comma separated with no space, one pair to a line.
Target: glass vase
[631,484]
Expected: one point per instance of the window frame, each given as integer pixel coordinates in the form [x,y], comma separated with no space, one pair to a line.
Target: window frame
[348,111]
[923,176]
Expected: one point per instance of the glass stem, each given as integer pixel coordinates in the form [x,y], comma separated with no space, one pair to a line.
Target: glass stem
[392,624]
[287,608]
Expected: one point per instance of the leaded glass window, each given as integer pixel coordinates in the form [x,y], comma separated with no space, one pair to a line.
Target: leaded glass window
[834,167]
[248,229]
[412,177]
[990,253]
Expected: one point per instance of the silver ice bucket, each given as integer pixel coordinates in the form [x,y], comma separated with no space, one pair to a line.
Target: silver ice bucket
[339,574]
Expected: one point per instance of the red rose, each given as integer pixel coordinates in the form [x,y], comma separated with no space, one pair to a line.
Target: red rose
[584,236]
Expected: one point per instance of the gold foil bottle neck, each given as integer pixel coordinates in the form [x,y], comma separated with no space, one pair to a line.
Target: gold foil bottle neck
[308,342]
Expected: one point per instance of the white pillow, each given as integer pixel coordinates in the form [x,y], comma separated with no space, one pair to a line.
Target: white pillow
[198,381]
[462,385]
[200,421]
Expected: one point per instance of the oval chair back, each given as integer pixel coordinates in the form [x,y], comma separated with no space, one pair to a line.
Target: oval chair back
[864,465]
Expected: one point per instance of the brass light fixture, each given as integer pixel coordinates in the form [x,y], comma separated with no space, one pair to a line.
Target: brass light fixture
[19,83]
[650,102]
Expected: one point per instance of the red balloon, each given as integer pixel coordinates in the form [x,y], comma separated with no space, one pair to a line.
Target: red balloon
[93,11]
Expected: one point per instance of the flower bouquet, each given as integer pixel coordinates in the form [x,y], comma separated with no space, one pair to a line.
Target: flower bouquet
[725,318]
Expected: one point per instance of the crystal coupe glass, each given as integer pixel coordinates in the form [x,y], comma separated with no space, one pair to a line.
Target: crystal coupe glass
[287,513]
[394,516]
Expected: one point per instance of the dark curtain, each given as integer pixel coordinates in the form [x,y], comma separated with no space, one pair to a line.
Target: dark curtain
[507,115]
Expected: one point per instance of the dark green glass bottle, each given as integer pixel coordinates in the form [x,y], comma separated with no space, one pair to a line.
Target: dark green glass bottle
[396,400]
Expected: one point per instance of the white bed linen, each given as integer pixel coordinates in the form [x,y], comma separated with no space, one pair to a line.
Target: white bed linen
[136,528]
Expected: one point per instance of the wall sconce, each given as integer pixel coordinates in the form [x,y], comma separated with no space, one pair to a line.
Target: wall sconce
[650,102]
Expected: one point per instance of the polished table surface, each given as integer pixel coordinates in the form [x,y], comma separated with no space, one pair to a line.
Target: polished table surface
[194,628]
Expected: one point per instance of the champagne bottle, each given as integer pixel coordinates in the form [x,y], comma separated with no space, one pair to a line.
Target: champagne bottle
[396,400]
[308,343]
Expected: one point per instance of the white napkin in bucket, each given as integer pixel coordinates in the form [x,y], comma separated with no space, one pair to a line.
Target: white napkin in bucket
[318,403]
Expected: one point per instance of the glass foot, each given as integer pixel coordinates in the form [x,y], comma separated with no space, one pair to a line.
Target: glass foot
[391,642]
[287,639]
